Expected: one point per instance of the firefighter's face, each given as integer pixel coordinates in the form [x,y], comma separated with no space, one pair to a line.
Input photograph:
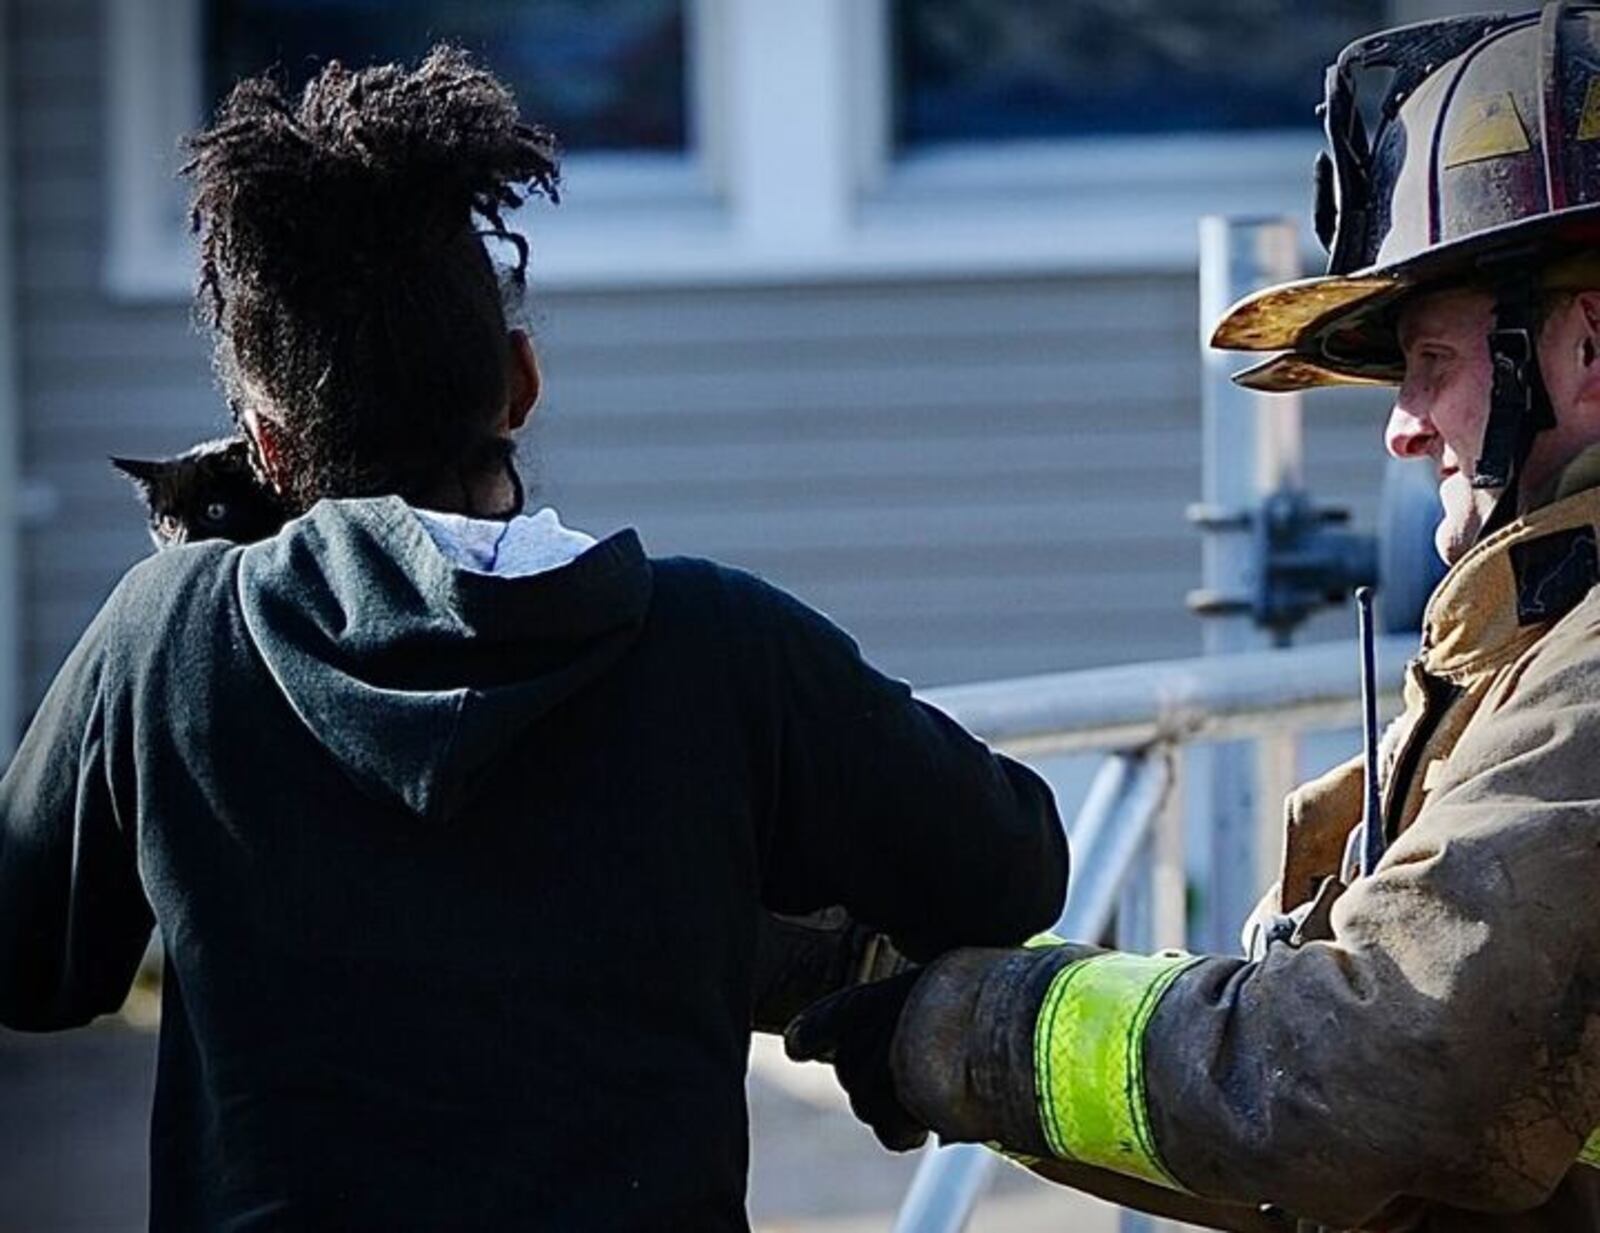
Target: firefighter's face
[1443,405]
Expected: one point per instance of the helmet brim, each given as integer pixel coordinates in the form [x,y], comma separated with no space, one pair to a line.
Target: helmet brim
[1339,329]
[1285,373]
[1284,317]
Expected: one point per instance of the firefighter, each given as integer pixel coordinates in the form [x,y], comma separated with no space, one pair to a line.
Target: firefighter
[1418,1047]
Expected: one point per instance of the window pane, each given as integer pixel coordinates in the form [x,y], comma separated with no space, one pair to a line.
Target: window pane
[978,70]
[604,74]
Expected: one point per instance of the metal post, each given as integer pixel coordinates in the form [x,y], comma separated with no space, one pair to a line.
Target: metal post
[1251,448]
[950,1180]
[1150,908]
[1150,916]
[1209,697]
[1111,839]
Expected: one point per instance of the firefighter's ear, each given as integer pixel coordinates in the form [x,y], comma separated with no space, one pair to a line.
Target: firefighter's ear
[1569,355]
[1584,343]
[1587,305]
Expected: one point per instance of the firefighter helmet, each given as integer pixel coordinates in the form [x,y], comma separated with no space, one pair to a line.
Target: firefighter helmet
[1482,167]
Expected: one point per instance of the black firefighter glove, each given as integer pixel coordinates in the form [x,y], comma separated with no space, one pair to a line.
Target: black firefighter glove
[854,1030]
[802,959]
[947,1049]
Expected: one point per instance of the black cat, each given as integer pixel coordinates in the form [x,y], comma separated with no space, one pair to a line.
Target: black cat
[208,492]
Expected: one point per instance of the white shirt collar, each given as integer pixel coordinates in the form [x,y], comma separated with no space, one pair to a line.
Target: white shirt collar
[527,544]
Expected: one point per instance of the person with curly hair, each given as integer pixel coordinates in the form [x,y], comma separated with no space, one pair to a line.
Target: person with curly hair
[456,825]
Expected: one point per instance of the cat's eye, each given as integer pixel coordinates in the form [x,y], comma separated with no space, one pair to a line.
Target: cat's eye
[216,512]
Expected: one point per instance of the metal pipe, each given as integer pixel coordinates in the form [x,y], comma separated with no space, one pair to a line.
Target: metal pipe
[1250,443]
[1149,886]
[1106,837]
[1252,450]
[1131,706]
[949,1182]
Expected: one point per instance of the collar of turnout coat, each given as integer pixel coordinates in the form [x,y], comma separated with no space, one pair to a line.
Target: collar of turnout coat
[1494,605]
[1500,597]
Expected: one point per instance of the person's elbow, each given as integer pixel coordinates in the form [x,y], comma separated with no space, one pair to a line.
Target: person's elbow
[991,871]
[1482,1146]
[1028,863]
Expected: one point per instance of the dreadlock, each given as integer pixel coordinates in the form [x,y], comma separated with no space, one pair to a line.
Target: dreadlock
[344,280]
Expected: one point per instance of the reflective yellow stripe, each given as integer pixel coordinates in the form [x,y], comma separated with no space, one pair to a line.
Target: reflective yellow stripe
[1089,1065]
[1589,1154]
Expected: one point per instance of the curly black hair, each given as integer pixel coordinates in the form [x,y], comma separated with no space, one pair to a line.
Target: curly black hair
[343,276]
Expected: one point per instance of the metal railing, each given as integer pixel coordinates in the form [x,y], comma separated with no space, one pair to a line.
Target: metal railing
[1212,697]
[1270,557]
[1127,838]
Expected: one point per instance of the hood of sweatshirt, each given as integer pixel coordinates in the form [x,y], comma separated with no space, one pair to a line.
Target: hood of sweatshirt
[413,673]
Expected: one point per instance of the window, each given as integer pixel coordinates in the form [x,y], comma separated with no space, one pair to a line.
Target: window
[624,84]
[603,74]
[1097,132]
[984,70]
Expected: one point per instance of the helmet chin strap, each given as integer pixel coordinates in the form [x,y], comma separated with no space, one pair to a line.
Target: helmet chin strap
[1519,405]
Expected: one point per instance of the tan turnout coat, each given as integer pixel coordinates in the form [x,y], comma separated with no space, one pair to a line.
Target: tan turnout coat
[1433,1062]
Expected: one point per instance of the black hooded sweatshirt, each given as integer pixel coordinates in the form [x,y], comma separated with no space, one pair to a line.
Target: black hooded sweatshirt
[458,875]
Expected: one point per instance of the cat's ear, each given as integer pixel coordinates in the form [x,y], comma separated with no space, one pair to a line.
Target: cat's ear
[142,471]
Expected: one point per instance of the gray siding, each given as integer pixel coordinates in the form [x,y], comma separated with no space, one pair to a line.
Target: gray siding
[977,478]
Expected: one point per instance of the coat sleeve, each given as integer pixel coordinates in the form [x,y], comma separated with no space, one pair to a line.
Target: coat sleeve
[1443,1046]
[886,806]
[73,916]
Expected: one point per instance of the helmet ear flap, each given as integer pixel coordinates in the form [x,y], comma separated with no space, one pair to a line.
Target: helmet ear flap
[1325,205]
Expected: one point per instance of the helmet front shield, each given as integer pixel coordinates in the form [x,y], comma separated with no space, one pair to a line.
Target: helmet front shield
[1374,76]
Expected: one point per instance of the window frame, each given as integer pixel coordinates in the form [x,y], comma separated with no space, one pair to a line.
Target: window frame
[791,175]
[154,91]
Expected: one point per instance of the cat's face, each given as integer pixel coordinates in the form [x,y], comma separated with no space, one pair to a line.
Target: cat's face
[208,492]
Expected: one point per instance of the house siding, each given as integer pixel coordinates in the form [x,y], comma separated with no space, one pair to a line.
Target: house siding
[977,477]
